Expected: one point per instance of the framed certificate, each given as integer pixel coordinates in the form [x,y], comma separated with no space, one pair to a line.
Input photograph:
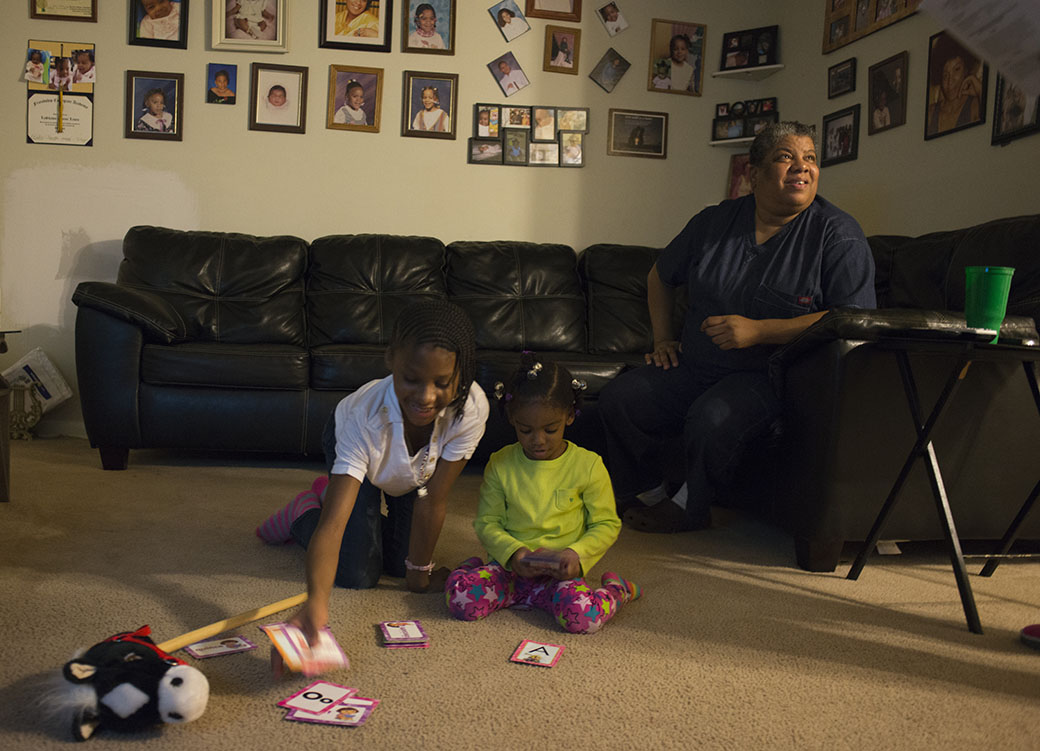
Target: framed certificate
[64,10]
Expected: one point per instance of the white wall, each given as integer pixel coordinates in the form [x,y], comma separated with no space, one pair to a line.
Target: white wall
[64,209]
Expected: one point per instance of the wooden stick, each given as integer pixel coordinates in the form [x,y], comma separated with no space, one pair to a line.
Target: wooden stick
[172,645]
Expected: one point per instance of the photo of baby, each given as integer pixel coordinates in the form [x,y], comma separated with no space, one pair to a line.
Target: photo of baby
[159,23]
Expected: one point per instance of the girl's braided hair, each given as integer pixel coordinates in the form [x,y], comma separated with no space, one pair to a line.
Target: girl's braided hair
[441,324]
[540,381]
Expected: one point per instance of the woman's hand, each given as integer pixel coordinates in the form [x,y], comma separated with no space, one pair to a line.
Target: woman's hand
[665,354]
[311,618]
[732,332]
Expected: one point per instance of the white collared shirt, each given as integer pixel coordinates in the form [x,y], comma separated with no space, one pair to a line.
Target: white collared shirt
[370,439]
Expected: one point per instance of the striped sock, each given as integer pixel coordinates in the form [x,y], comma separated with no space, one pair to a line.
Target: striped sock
[630,590]
[277,527]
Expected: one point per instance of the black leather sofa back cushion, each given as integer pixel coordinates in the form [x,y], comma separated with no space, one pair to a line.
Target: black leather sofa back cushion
[615,278]
[228,288]
[373,277]
[519,295]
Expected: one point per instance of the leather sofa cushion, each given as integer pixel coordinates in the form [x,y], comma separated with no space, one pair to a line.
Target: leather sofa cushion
[346,367]
[1011,242]
[615,278]
[519,295]
[226,287]
[358,284]
[237,366]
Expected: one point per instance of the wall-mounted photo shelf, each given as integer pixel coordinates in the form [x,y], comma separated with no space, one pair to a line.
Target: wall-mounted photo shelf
[749,74]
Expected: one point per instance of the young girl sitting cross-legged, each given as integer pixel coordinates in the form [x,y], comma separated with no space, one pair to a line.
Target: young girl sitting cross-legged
[405,437]
[546,513]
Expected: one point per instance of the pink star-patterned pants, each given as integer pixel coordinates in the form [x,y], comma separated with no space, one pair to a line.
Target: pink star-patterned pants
[474,591]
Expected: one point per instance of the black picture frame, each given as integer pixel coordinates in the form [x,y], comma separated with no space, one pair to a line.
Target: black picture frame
[541,154]
[139,121]
[727,128]
[637,133]
[515,146]
[608,72]
[1015,113]
[572,148]
[543,124]
[138,20]
[413,41]
[886,93]
[841,78]
[839,137]
[572,119]
[493,124]
[943,49]
[484,151]
[265,77]
[415,83]
[750,48]
[330,37]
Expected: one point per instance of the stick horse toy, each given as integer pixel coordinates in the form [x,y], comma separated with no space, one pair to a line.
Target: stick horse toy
[128,682]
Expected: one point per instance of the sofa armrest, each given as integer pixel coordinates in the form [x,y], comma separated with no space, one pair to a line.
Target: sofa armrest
[159,321]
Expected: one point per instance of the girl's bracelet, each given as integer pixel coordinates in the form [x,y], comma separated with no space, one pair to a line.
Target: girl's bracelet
[412,567]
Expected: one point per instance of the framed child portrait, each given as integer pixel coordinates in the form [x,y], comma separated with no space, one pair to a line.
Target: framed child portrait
[886,93]
[562,45]
[429,104]
[487,119]
[158,23]
[609,70]
[221,83]
[355,24]
[70,10]
[1016,113]
[637,133]
[154,105]
[255,25]
[840,138]
[572,149]
[613,21]
[278,101]
[429,27]
[355,98]
[508,73]
[676,57]
[555,10]
[956,87]
[509,19]
[515,147]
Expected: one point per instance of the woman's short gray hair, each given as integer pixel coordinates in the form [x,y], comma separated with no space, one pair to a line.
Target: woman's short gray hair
[771,135]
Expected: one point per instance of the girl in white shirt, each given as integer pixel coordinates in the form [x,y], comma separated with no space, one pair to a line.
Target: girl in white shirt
[408,435]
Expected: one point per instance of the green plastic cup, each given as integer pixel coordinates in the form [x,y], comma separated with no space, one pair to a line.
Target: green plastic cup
[985,296]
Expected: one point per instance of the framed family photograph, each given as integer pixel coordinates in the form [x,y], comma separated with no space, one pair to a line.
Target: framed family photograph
[429,27]
[572,119]
[676,57]
[613,21]
[158,23]
[886,93]
[515,147]
[956,87]
[572,149]
[543,127]
[509,19]
[750,48]
[508,73]
[355,24]
[355,98]
[516,117]
[609,70]
[637,133]
[1016,113]
[428,110]
[555,10]
[154,105]
[255,25]
[69,10]
[562,45]
[487,121]
[840,136]
[221,83]
[543,154]
[484,152]
[279,98]
[841,78]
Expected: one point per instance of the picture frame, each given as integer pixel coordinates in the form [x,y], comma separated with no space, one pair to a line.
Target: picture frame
[509,19]
[952,111]
[1015,113]
[755,123]
[417,34]
[543,125]
[738,182]
[487,119]
[610,15]
[515,147]
[170,30]
[434,116]
[562,48]
[484,151]
[70,10]
[845,21]
[572,119]
[543,154]
[839,137]
[886,93]
[637,133]
[143,117]
[516,117]
[554,10]
[508,74]
[233,31]
[225,93]
[369,31]
[572,148]
[841,78]
[727,128]
[608,72]
[676,57]
[278,98]
[750,48]
[344,111]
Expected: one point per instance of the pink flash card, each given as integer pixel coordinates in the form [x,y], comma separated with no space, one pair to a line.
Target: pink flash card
[317,698]
[536,653]
[351,711]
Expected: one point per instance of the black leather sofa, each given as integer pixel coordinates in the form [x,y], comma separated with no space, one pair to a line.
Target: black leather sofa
[226,341]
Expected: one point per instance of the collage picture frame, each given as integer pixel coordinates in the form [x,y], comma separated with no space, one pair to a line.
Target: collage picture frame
[535,136]
[743,118]
[750,48]
[845,21]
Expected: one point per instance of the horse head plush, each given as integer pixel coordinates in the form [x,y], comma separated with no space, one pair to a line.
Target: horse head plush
[127,683]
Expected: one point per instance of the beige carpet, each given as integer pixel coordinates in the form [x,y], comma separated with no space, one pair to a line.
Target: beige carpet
[732,646]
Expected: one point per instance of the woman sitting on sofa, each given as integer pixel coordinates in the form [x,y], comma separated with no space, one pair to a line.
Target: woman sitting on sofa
[757,270]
